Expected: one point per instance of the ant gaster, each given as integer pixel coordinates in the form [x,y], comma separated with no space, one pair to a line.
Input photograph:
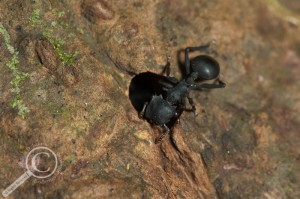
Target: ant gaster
[161,109]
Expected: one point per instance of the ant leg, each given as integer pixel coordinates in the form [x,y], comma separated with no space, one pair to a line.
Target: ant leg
[183,105]
[142,113]
[192,49]
[191,102]
[165,84]
[161,137]
[173,80]
[167,70]
[210,86]
[187,61]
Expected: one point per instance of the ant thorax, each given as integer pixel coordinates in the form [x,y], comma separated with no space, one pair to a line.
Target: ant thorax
[191,78]
[176,94]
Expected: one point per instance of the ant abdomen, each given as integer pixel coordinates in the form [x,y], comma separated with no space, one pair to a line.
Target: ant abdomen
[206,67]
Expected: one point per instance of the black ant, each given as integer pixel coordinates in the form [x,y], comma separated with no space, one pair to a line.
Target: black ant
[161,109]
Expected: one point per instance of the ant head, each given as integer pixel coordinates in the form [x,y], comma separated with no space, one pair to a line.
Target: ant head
[206,67]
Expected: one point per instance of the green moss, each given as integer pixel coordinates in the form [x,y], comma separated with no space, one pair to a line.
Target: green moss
[69,159]
[6,37]
[59,13]
[35,17]
[18,76]
[18,103]
[16,81]
[65,57]
[54,23]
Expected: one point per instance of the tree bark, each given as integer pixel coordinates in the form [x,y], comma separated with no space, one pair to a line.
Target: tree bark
[81,57]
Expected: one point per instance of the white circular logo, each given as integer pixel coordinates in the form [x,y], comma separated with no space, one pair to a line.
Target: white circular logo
[38,158]
[41,162]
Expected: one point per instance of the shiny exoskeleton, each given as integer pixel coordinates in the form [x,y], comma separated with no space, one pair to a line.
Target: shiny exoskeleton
[161,109]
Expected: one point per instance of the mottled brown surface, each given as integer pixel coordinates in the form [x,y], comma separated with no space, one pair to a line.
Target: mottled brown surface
[243,144]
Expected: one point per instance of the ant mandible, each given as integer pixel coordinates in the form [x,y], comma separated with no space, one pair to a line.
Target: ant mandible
[161,109]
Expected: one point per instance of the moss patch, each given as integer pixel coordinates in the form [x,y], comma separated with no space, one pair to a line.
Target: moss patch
[18,76]
[35,17]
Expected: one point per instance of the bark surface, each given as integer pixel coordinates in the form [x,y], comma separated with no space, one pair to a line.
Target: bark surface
[80,57]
